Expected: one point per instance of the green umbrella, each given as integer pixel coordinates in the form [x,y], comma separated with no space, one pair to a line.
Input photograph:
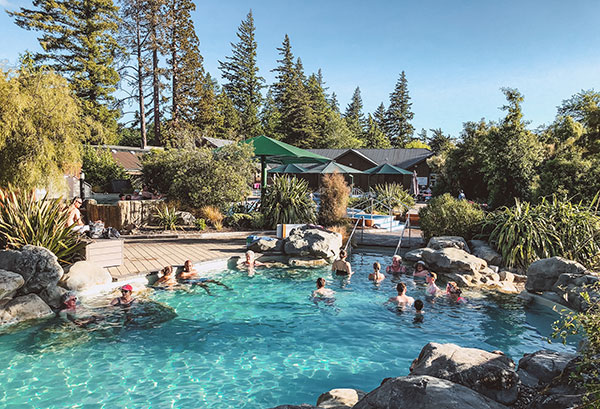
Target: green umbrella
[273,151]
[387,169]
[332,167]
[289,168]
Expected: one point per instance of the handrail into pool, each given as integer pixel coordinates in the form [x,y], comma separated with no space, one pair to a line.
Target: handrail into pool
[356,210]
[406,224]
[351,234]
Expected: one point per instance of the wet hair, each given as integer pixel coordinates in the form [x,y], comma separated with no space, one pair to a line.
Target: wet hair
[343,253]
[401,287]
[320,282]
[433,275]
[376,266]
[167,270]
[418,305]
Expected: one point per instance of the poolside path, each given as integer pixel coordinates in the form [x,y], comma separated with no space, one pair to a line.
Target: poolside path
[152,254]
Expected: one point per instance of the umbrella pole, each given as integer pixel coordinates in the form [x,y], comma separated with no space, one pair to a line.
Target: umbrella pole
[263,175]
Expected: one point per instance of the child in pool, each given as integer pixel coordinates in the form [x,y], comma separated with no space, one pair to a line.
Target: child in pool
[376,276]
[418,311]
[454,293]
[432,289]
[420,269]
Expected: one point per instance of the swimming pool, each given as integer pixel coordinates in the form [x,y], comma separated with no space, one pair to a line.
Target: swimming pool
[261,344]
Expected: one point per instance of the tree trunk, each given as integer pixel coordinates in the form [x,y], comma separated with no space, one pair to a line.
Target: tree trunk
[140,79]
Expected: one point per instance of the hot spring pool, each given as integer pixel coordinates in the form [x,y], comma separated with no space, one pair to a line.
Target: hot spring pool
[261,344]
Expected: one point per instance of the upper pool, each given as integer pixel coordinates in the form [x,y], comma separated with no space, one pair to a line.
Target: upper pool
[258,345]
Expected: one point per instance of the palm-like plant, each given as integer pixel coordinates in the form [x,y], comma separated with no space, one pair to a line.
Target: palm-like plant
[166,217]
[394,196]
[25,220]
[287,200]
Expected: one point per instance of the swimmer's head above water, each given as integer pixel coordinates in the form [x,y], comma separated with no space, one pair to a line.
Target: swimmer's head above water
[321,282]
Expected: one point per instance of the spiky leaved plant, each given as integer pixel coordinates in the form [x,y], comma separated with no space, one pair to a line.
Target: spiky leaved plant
[287,200]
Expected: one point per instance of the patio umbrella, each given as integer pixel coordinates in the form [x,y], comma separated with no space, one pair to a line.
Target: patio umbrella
[387,169]
[332,167]
[270,150]
[415,184]
[289,168]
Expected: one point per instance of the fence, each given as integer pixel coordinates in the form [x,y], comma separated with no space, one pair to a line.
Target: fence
[124,212]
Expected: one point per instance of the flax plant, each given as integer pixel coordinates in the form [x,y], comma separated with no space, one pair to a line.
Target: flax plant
[287,200]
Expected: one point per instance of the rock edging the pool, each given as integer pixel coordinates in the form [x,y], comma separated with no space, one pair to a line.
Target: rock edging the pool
[32,283]
[447,376]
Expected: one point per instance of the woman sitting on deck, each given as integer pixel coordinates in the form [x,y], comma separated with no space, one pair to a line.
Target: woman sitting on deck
[341,267]
[190,276]
[396,267]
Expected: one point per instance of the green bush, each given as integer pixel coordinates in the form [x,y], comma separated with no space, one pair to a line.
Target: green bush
[166,217]
[447,216]
[287,200]
[525,233]
[25,220]
[393,195]
[200,224]
[334,199]
[100,167]
[243,220]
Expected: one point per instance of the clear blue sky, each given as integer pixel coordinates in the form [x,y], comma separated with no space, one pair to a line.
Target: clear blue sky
[456,54]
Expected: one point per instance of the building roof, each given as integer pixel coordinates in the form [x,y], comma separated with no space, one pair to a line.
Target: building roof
[216,142]
[402,158]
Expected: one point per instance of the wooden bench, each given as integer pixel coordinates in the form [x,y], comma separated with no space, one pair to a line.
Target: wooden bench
[105,252]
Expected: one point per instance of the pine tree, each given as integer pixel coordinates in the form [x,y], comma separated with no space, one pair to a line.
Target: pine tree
[379,116]
[78,41]
[270,117]
[422,135]
[374,136]
[158,26]
[285,73]
[399,115]
[333,102]
[243,82]
[354,116]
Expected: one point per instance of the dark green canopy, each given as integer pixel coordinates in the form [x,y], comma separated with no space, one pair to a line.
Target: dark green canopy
[332,167]
[289,168]
[387,169]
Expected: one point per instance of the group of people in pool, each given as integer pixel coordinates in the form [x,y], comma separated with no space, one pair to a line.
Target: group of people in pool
[188,275]
[341,267]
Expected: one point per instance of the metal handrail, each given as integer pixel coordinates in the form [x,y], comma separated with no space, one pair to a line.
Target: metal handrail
[373,202]
[351,234]
[406,224]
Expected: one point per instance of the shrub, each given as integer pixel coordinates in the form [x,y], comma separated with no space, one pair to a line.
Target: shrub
[287,200]
[244,220]
[213,215]
[100,167]
[525,233]
[201,177]
[25,220]
[166,217]
[448,216]
[334,199]
[392,195]
[200,224]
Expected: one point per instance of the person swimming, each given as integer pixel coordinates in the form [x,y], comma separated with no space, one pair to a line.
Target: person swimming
[126,299]
[418,312]
[189,275]
[402,299]
[340,266]
[396,267]
[454,293]
[167,279]
[376,276]
[251,260]
[420,269]
[321,291]
[432,289]
[70,312]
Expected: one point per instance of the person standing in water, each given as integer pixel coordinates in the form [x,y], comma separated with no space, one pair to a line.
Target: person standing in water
[402,299]
[189,275]
[396,267]
[420,269]
[126,299]
[432,289]
[340,266]
[418,312]
[167,279]
[376,276]
[321,291]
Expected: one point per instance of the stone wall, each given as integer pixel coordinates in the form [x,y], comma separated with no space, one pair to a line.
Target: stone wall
[124,212]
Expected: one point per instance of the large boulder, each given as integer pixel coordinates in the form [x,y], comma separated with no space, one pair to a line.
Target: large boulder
[562,392]
[453,260]
[23,308]
[313,242]
[266,245]
[570,288]
[541,367]
[488,373]
[84,275]
[342,398]
[39,267]
[424,392]
[414,255]
[9,284]
[443,242]
[482,249]
[52,295]
[8,259]
[543,274]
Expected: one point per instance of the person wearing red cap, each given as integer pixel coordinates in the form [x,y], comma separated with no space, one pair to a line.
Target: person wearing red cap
[126,300]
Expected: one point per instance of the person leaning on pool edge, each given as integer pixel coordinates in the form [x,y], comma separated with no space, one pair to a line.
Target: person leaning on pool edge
[340,266]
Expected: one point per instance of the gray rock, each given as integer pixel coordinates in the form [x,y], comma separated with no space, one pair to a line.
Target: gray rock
[302,406]
[562,393]
[442,242]
[52,295]
[506,276]
[414,255]
[543,274]
[488,373]
[453,260]
[23,308]
[84,275]
[313,242]
[571,286]
[342,398]
[39,267]
[541,367]
[266,246]
[482,249]
[9,283]
[185,218]
[8,259]
[307,262]
[424,392]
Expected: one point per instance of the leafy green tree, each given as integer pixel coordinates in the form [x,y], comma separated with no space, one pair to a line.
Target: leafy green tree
[243,82]
[374,136]
[78,40]
[439,142]
[41,128]
[416,144]
[584,108]
[399,115]
[100,167]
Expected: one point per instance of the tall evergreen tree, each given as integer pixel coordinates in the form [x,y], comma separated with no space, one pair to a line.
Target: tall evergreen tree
[379,116]
[78,40]
[399,115]
[270,117]
[158,28]
[355,119]
[333,102]
[243,82]
[374,135]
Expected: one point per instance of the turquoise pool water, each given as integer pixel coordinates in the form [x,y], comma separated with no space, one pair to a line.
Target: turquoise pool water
[261,344]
